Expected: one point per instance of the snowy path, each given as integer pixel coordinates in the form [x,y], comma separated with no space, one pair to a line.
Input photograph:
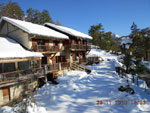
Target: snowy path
[78,92]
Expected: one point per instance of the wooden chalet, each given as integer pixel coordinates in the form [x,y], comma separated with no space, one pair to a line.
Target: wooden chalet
[19,70]
[33,51]
[77,46]
[38,38]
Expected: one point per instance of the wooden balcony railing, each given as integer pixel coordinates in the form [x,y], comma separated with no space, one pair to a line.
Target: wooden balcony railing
[79,47]
[21,75]
[65,65]
[88,47]
[82,61]
[43,48]
[53,67]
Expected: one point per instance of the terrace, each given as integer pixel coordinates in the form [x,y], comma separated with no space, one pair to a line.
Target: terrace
[79,47]
[15,76]
[43,48]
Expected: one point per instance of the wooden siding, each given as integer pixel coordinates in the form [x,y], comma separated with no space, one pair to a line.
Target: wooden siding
[54,60]
[6,94]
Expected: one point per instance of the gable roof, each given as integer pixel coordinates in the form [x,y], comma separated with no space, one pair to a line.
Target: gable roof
[69,31]
[9,48]
[34,29]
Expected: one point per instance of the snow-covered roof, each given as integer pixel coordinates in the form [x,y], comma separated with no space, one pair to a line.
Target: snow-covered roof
[11,49]
[69,31]
[35,28]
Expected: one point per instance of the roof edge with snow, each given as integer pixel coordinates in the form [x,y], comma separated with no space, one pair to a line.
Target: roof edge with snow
[69,31]
[34,29]
[10,49]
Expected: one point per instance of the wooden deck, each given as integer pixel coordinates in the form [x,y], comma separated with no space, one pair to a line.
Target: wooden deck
[16,76]
[78,47]
[43,48]
[65,65]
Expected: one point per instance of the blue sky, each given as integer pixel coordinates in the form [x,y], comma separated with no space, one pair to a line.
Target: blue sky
[115,15]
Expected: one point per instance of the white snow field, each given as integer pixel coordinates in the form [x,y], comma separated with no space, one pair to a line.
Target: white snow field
[79,92]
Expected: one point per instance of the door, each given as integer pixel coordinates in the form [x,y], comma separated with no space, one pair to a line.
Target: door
[6,94]
[34,44]
[56,43]
[54,60]
[47,45]
[44,60]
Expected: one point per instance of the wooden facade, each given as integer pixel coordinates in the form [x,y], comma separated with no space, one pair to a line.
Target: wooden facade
[78,48]
[13,75]
[58,54]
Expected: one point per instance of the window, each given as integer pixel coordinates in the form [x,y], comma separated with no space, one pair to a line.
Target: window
[35,63]
[1,68]
[9,67]
[40,42]
[25,65]
[57,59]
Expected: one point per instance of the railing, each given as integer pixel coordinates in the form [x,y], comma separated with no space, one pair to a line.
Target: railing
[53,67]
[43,48]
[21,75]
[82,61]
[79,47]
[88,47]
[65,65]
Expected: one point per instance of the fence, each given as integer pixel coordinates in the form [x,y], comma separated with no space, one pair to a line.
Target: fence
[138,82]
[43,48]
[65,65]
[21,75]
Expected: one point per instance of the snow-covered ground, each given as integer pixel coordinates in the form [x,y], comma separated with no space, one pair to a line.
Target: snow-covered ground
[79,92]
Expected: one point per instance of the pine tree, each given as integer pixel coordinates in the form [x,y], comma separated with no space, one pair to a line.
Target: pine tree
[97,32]
[59,23]
[146,41]
[35,16]
[45,17]
[12,10]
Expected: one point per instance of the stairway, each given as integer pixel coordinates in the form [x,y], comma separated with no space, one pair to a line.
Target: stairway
[75,66]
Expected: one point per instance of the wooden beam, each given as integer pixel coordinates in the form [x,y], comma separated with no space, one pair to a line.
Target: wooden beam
[17,60]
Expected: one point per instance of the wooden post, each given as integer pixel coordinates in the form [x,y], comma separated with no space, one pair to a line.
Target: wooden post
[45,69]
[16,68]
[59,65]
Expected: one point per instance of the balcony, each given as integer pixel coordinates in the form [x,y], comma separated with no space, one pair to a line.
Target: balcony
[20,75]
[52,67]
[43,48]
[82,61]
[79,47]
[65,65]
[57,66]
[88,47]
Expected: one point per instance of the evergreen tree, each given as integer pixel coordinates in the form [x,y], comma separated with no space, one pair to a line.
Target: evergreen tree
[134,30]
[103,39]
[137,46]
[59,23]
[97,32]
[35,16]
[133,27]
[146,41]
[12,10]
[45,17]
